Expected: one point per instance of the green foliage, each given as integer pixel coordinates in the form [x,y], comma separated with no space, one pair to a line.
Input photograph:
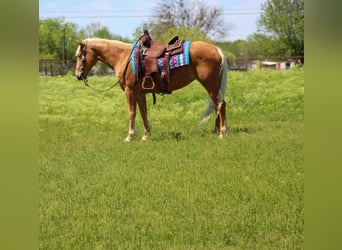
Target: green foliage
[282,24]
[230,57]
[285,20]
[233,50]
[55,35]
[261,46]
[183,189]
[256,46]
[239,48]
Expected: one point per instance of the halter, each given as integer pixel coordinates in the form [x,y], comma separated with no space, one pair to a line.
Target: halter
[83,59]
[84,77]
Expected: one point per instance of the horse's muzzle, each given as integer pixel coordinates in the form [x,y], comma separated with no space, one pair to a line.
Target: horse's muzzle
[82,76]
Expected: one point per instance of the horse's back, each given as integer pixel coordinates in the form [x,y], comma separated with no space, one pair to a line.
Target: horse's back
[203,52]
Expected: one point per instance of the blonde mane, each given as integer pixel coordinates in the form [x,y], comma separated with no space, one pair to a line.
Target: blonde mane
[115,42]
[78,50]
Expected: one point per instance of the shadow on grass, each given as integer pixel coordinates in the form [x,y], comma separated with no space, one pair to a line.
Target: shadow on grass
[179,136]
[238,130]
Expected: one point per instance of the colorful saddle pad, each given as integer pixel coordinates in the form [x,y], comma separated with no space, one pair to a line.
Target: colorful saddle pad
[175,61]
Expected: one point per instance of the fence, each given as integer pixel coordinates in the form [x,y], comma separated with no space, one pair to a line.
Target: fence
[56,67]
[62,67]
[244,64]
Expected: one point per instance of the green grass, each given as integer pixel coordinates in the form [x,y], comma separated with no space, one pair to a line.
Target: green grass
[184,188]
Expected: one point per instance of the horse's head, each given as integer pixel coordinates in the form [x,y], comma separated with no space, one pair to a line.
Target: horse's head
[86,59]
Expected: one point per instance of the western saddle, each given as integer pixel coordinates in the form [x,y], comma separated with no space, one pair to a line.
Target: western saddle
[148,53]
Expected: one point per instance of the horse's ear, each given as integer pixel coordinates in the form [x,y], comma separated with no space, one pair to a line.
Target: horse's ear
[79,42]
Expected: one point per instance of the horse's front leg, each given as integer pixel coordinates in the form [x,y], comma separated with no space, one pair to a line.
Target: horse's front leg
[143,112]
[131,100]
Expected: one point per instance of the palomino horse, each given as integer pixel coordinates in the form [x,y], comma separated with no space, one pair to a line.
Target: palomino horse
[208,65]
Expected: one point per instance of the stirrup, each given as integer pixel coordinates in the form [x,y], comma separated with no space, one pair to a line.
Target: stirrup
[145,87]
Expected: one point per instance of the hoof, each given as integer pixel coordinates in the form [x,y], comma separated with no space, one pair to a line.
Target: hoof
[129,138]
[144,138]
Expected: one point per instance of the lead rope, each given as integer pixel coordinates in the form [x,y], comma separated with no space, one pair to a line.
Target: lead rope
[99,90]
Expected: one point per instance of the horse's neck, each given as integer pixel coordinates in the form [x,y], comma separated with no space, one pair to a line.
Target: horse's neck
[112,53]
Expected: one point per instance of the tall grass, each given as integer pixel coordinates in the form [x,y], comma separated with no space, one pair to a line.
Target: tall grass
[183,188]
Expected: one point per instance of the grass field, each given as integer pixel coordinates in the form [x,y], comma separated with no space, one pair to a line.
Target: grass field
[184,188]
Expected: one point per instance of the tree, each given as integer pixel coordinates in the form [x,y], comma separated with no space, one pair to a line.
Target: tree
[262,45]
[284,19]
[57,39]
[177,13]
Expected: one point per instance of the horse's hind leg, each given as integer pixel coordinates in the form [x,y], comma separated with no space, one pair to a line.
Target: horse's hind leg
[221,121]
[217,102]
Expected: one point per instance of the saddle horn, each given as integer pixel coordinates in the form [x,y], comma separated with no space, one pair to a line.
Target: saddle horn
[146,38]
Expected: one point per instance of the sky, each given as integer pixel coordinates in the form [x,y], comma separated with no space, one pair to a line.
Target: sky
[122,17]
